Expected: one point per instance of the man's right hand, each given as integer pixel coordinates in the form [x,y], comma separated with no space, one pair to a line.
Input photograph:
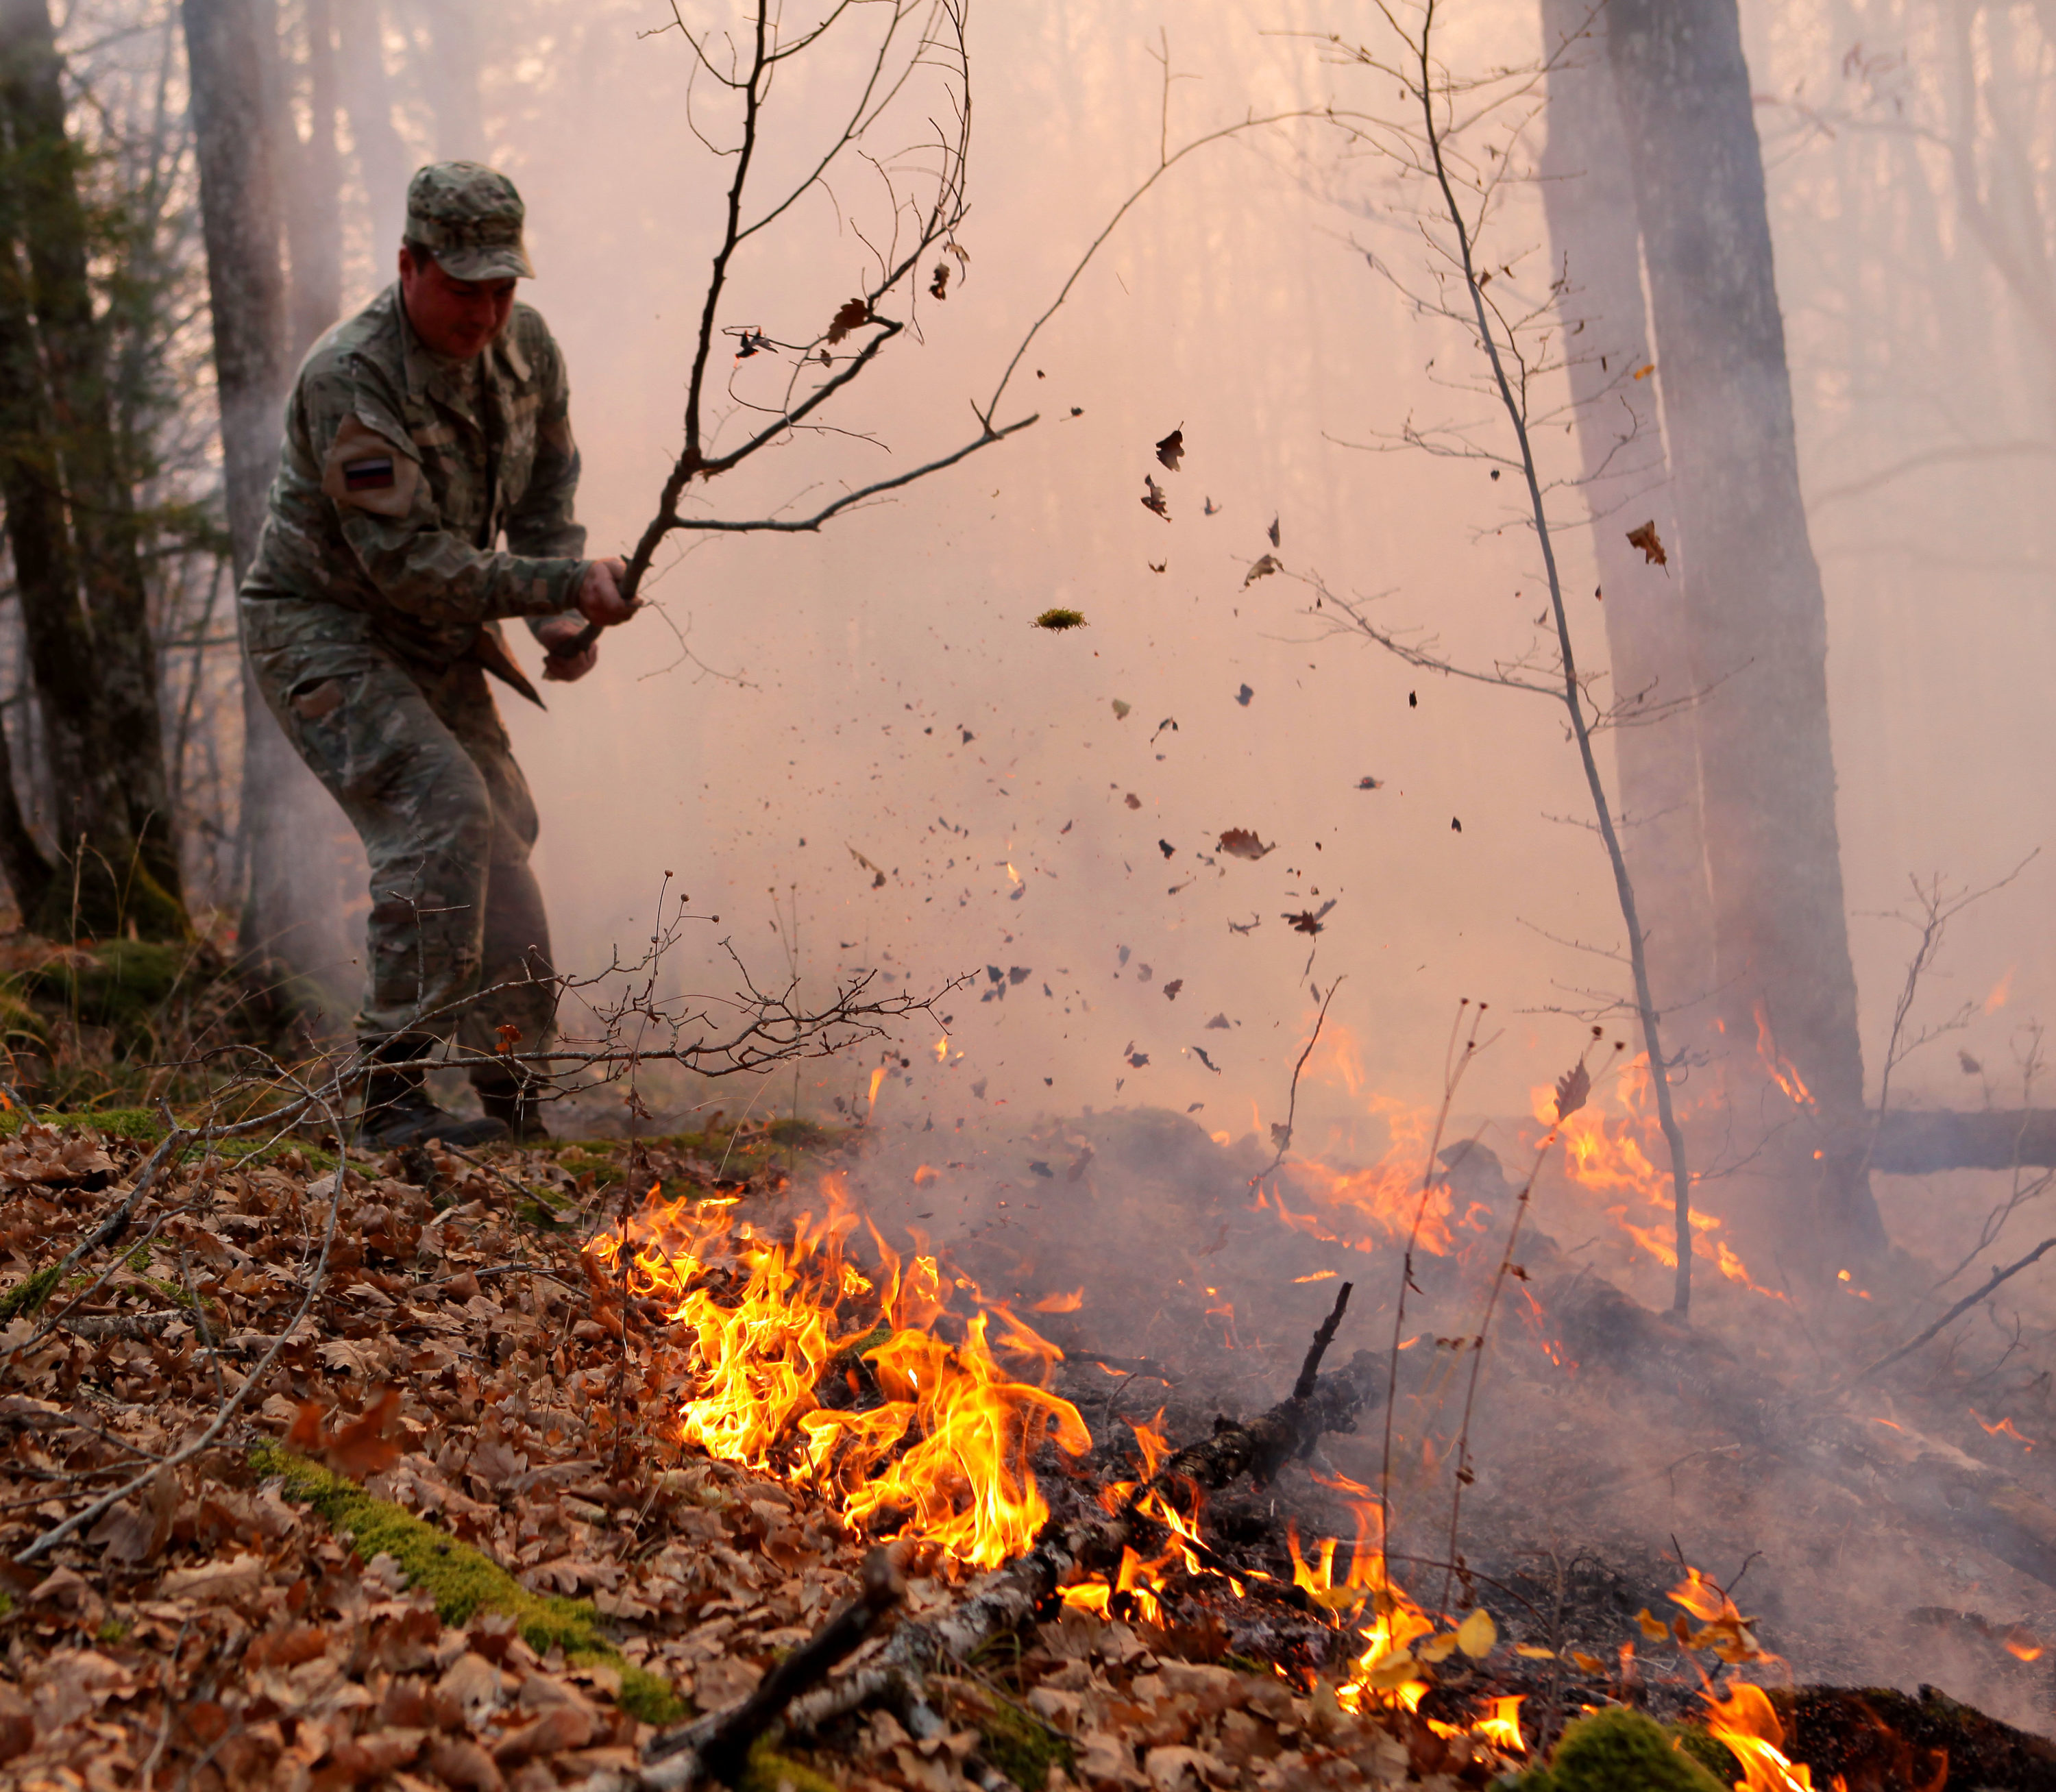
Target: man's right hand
[599,599]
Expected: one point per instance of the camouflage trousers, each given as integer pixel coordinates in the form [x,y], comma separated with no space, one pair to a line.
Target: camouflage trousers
[458,944]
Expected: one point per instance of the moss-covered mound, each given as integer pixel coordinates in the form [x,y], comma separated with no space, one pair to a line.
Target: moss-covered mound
[1620,1750]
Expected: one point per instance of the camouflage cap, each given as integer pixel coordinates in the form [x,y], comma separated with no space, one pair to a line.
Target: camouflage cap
[469,217]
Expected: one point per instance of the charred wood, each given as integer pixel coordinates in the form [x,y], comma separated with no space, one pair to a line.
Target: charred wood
[1910,1143]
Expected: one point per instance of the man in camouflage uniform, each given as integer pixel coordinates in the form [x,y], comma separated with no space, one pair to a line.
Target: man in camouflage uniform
[420,432]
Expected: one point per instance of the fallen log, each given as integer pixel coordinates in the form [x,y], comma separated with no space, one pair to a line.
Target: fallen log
[1913,1142]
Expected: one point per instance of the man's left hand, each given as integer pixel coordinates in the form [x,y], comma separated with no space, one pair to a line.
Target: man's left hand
[562,629]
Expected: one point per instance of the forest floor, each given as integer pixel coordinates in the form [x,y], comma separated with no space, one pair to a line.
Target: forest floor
[450,1538]
[402,1500]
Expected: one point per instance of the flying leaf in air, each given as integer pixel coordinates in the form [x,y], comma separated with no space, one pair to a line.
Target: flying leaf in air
[1220,1021]
[1171,450]
[1273,532]
[1121,710]
[1243,695]
[1477,1633]
[1572,1087]
[1165,848]
[1645,539]
[1261,569]
[1058,620]
[1437,1648]
[853,315]
[1154,500]
[1163,565]
[1370,784]
[1242,843]
[1211,509]
[1172,988]
[1306,921]
[1645,370]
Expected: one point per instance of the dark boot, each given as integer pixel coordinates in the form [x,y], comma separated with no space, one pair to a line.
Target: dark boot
[516,1106]
[398,1111]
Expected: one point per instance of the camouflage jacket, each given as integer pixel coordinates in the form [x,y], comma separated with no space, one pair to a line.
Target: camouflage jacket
[394,492]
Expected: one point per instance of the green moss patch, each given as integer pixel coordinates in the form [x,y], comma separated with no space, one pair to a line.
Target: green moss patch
[1620,1750]
[28,1294]
[462,1581]
[1021,1748]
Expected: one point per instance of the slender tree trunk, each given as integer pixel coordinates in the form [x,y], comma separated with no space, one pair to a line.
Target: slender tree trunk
[1786,989]
[1590,200]
[98,483]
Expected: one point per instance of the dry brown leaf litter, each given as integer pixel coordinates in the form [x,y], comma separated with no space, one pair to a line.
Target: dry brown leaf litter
[469,1365]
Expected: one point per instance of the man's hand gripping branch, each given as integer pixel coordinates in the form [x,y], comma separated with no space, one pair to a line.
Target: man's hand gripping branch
[573,647]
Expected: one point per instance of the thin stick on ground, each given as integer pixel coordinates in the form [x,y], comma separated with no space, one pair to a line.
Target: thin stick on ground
[1454,1063]
[1570,1093]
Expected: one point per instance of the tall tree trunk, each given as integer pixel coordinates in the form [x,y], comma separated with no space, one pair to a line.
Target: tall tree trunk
[1590,201]
[291,904]
[382,160]
[1786,994]
[241,223]
[98,482]
[313,232]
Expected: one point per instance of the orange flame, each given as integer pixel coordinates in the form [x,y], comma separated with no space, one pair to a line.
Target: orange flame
[945,1454]
[1780,1068]
[1617,1154]
[1748,1725]
[1501,1725]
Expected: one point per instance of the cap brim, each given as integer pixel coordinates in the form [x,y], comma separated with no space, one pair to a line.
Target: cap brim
[510,263]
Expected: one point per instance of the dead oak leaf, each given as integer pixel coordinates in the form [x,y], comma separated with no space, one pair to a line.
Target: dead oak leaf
[1171,450]
[1154,500]
[854,314]
[1242,843]
[1261,569]
[1309,920]
[1645,539]
[1572,1087]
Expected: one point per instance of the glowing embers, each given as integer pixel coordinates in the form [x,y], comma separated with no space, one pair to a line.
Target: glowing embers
[808,1368]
